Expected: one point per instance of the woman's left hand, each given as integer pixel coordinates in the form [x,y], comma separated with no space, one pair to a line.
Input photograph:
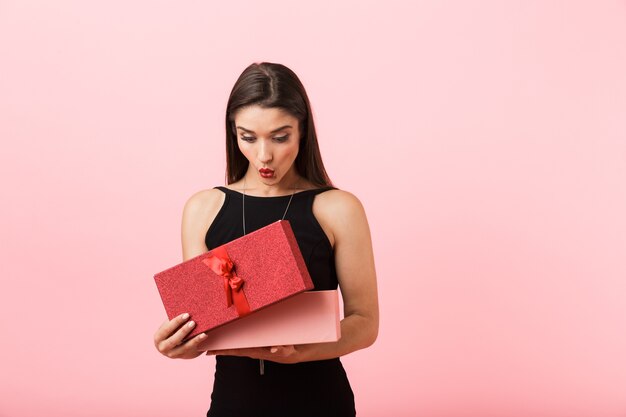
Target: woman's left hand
[280,354]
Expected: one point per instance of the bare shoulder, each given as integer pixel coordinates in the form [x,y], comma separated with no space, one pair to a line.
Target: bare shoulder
[203,201]
[338,212]
[199,212]
[338,202]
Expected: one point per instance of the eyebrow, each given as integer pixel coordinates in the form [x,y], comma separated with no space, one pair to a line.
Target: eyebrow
[273,131]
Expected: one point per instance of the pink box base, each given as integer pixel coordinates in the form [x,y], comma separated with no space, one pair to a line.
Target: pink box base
[309,317]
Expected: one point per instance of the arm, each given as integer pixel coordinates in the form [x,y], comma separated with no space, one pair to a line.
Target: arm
[199,212]
[342,217]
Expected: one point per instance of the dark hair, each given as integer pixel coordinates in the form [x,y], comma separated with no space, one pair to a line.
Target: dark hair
[271,85]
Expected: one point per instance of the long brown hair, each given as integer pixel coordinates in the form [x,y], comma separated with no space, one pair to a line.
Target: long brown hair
[274,85]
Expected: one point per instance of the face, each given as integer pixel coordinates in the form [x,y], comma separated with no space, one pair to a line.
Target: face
[269,139]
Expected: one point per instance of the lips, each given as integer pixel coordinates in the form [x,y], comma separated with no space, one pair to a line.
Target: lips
[266,172]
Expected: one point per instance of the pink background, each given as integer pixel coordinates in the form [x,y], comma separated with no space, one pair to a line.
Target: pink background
[487,141]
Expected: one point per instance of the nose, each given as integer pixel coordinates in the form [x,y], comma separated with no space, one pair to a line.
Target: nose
[265,152]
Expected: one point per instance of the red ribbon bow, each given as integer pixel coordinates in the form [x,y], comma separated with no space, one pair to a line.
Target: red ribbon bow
[220,263]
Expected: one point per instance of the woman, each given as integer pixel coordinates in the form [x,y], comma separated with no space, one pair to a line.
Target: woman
[274,170]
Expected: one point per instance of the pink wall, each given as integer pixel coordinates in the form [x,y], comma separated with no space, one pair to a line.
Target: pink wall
[487,141]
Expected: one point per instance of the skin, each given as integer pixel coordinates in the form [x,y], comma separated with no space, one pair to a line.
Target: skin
[340,215]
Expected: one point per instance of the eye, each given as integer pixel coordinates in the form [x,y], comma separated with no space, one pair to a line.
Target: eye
[281,138]
[247,138]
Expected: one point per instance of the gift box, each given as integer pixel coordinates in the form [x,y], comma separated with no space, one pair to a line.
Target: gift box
[310,317]
[236,279]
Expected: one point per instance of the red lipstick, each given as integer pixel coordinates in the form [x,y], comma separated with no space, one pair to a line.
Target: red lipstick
[266,172]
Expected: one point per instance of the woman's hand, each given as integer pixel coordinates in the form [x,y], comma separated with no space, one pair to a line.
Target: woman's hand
[280,354]
[168,339]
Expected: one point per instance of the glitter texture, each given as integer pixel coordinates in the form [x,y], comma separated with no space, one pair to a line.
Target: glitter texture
[268,260]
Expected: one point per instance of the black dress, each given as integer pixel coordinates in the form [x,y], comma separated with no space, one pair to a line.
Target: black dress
[315,388]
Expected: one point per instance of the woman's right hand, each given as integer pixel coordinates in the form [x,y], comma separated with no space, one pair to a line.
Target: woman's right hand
[168,339]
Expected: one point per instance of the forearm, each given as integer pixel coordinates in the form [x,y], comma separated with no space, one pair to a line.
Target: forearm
[357,332]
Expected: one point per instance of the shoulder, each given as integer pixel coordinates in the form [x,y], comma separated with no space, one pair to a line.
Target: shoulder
[338,202]
[199,212]
[338,212]
[203,203]
[204,199]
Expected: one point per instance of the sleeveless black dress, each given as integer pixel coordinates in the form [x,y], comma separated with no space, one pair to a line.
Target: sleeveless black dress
[315,388]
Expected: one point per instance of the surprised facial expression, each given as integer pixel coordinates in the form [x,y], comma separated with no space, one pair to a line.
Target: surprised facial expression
[269,138]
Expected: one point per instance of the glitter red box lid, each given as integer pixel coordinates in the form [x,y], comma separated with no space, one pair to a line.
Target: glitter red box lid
[267,263]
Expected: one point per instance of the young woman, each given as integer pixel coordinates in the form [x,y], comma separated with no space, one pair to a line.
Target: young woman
[275,170]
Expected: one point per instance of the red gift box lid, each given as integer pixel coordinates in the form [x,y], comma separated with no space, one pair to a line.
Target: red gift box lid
[267,264]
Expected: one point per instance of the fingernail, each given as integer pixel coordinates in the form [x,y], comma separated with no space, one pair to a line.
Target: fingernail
[274,350]
[191,324]
[185,316]
[202,336]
